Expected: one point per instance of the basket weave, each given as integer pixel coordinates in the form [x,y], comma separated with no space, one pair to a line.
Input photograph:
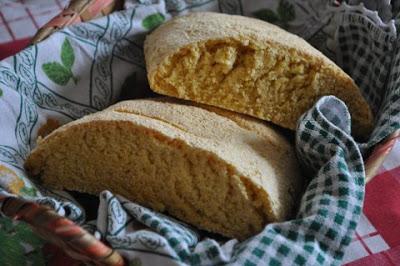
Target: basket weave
[77,11]
[63,233]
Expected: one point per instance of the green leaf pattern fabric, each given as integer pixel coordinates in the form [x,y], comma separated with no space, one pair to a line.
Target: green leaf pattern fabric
[67,54]
[266,15]
[61,73]
[57,73]
[83,68]
[152,21]
[284,13]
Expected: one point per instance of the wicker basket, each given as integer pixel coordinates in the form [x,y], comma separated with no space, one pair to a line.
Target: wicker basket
[77,11]
[71,238]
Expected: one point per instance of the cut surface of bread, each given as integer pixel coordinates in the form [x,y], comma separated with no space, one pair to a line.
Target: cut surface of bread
[248,66]
[220,171]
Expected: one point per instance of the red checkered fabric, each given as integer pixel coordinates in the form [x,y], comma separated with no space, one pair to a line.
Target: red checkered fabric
[20,20]
[377,239]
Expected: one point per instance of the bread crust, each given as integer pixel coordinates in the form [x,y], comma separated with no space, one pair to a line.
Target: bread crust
[249,162]
[294,80]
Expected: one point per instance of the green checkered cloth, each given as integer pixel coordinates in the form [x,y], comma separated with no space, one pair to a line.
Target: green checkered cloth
[87,67]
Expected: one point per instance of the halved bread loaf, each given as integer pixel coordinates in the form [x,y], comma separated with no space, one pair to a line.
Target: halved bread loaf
[249,66]
[220,171]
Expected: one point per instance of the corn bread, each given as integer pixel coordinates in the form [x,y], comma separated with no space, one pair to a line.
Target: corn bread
[218,170]
[248,66]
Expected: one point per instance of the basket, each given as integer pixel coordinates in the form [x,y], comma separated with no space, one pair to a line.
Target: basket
[63,233]
[77,11]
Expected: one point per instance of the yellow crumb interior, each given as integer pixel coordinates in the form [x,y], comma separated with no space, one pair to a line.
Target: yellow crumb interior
[149,168]
[267,83]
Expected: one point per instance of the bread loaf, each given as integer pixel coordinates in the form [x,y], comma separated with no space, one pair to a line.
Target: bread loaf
[217,170]
[249,66]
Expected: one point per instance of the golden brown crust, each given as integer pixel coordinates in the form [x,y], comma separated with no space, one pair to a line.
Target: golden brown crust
[254,168]
[249,66]
[182,31]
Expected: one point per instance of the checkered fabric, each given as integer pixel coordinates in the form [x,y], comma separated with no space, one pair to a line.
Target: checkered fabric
[388,115]
[368,51]
[367,242]
[82,69]
[376,241]
[21,19]
[363,57]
